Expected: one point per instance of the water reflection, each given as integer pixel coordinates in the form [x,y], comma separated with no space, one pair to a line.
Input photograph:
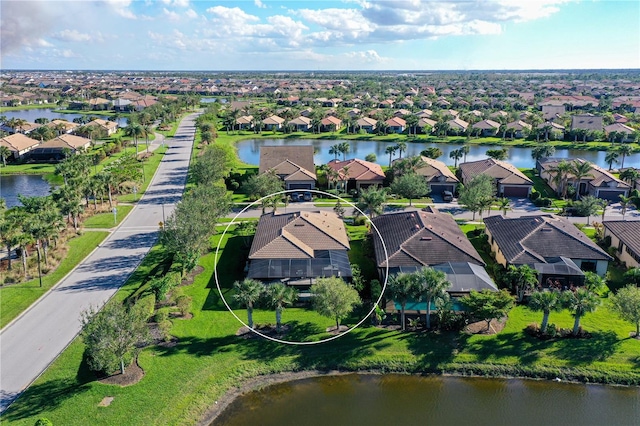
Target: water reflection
[249,151]
[31,114]
[28,185]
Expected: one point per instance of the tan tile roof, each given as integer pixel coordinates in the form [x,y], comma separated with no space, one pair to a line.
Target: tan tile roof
[298,235]
[627,231]
[67,141]
[434,169]
[358,169]
[597,177]
[273,156]
[18,142]
[500,170]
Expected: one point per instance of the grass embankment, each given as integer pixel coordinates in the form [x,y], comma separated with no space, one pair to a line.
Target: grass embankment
[16,298]
[182,381]
[105,220]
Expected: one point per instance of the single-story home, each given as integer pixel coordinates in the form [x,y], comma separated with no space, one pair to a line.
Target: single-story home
[367,124]
[62,126]
[330,124]
[396,125]
[357,173]
[110,127]
[293,163]
[55,149]
[528,240]
[439,177]
[586,122]
[487,127]
[457,125]
[518,128]
[510,182]
[296,248]
[300,124]
[273,122]
[620,128]
[599,183]
[19,144]
[625,237]
[245,122]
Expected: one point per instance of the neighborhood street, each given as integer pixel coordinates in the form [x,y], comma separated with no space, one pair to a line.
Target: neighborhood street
[32,342]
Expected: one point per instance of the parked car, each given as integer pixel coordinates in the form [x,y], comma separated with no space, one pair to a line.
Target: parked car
[306,196]
[295,197]
[447,196]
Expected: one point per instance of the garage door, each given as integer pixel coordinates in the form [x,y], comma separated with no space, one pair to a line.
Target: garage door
[613,196]
[300,186]
[516,191]
[437,189]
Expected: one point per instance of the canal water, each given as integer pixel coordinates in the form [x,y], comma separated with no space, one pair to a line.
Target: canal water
[384,400]
[30,115]
[28,185]
[249,152]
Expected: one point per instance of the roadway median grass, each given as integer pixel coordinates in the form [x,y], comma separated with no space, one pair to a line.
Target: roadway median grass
[183,380]
[105,220]
[15,298]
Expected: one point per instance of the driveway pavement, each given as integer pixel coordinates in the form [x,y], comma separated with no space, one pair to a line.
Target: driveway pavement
[34,340]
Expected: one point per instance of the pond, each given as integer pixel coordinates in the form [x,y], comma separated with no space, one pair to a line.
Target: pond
[385,400]
[31,114]
[249,151]
[29,185]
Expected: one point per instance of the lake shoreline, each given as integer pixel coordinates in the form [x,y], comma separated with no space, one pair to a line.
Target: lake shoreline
[261,381]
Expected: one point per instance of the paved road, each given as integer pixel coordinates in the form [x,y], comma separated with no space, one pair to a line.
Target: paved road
[35,339]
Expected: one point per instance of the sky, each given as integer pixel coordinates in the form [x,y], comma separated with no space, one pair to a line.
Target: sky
[256,35]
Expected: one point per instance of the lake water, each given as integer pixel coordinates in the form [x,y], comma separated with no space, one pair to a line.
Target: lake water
[249,152]
[31,114]
[386,400]
[29,185]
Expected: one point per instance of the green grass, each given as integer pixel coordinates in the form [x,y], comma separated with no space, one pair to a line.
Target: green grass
[149,166]
[105,220]
[181,382]
[17,297]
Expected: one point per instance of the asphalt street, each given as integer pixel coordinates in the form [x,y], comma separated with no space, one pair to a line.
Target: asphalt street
[34,340]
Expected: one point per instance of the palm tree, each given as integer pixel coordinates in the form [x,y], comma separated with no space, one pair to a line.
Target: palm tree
[147,130]
[504,204]
[624,204]
[134,130]
[402,287]
[611,157]
[248,292]
[431,285]
[280,296]
[580,169]
[542,151]
[465,150]
[560,174]
[334,150]
[579,303]
[456,154]
[402,146]
[624,150]
[4,153]
[372,200]
[545,301]
[344,148]
[391,150]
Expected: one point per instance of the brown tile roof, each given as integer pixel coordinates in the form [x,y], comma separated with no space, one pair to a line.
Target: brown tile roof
[300,155]
[627,231]
[598,175]
[434,169]
[500,170]
[486,125]
[419,238]
[358,169]
[18,142]
[298,235]
[530,239]
[586,122]
[67,141]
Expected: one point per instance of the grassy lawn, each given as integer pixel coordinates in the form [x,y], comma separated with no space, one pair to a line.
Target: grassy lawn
[149,167]
[105,220]
[182,381]
[16,298]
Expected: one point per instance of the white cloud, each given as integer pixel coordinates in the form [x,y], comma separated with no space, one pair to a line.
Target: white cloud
[71,35]
[170,15]
[259,4]
[192,14]
[121,7]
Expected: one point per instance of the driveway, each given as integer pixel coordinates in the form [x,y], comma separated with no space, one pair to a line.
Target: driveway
[34,340]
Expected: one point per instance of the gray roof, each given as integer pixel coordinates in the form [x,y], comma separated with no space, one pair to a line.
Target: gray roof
[627,231]
[536,239]
[559,266]
[463,276]
[272,156]
[420,238]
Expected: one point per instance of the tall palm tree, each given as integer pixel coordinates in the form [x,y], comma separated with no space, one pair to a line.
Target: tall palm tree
[579,303]
[402,146]
[624,150]
[248,292]
[372,200]
[611,157]
[504,204]
[134,130]
[560,174]
[344,148]
[391,150]
[431,285]
[624,204]
[580,169]
[545,301]
[280,296]
[542,151]
[4,153]
[465,149]
[334,150]
[456,154]
[402,287]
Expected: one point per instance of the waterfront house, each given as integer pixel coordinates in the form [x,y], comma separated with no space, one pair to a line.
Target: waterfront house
[273,122]
[510,182]
[109,127]
[19,144]
[57,148]
[292,163]
[487,127]
[300,124]
[357,174]
[367,124]
[625,238]
[438,176]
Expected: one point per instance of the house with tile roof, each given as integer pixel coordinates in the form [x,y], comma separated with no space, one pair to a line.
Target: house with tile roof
[292,163]
[330,124]
[357,174]
[586,122]
[19,144]
[297,248]
[110,127]
[487,127]
[245,122]
[367,124]
[625,237]
[519,129]
[457,126]
[396,125]
[599,183]
[510,182]
[62,126]
[621,129]
[273,122]
[438,176]
[55,149]
[545,238]
[300,124]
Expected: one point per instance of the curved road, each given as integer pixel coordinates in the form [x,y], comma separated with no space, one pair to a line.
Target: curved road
[34,340]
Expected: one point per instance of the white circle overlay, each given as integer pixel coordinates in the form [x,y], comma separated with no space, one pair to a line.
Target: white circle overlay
[287,342]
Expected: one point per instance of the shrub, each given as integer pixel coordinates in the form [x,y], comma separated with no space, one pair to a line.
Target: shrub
[43,421]
[164,327]
[184,304]
[360,220]
[145,306]
[543,202]
[534,195]
[160,316]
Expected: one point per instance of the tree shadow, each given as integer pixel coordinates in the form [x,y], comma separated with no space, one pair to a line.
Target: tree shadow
[504,345]
[599,347]
[434,348]
[230,268]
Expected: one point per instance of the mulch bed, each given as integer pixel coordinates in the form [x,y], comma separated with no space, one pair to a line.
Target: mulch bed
[132,375]
[480,327]
[191,276]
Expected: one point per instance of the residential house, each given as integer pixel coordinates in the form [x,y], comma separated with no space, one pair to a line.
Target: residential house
[528,240]
[330,124]
[110,127]
[552,112]
[292,163]
[599,183]
[457,126]
[625,237]
[62,126]
[300,124]
[621,128]
[519,129]
[19,144]
[439,177]
[396,125]
[487,127]
[297,248]
[387,103]
[367,124]
[510,182]
[273,122]
[357,174]
[245,122]
[56,149]
[586,122]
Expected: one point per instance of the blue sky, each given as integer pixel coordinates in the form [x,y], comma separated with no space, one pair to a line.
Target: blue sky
[319,35]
